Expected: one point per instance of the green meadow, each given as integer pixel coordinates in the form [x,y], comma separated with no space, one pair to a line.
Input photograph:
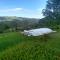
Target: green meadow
[16,46]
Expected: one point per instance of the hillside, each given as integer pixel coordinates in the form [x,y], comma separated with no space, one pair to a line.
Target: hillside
[15,46]
[8,23]
[14,23]
[11,18]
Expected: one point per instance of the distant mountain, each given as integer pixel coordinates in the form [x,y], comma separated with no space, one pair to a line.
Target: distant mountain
[11,18]
[17,23]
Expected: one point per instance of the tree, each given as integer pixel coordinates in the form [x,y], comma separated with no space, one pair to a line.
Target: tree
[52,9]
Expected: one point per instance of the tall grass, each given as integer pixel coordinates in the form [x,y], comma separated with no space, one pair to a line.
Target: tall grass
[28,51]
[9,39]
[15,46]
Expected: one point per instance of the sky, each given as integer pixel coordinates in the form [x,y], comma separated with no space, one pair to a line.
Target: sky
[22,8]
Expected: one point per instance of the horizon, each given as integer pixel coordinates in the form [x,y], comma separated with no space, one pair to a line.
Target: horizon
[22,8]
[22,17]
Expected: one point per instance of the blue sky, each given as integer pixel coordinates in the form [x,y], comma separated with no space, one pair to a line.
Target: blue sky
[22,8]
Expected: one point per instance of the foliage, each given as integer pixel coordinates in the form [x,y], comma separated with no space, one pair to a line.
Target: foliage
[52,9]
[17,23]
[52,15]
[15,46]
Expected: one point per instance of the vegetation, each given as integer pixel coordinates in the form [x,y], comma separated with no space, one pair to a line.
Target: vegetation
[52,14]
[52,9]
[17,23]
[15,46]
[51,19]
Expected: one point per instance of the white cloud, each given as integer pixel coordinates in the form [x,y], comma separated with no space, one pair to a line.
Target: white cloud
[22,12]
[10,10]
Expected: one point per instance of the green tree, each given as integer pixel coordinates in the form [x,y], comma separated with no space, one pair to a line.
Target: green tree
[52,9]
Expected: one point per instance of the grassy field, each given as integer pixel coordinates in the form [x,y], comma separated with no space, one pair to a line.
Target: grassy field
[15,46]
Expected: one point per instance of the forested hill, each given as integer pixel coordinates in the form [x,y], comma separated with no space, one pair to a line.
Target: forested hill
[17,23]
[21,23]
[11,18]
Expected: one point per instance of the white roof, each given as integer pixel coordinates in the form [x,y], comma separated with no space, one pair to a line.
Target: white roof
[39,31]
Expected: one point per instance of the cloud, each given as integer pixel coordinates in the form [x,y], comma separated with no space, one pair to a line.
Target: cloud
[22,12]
[11,10]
